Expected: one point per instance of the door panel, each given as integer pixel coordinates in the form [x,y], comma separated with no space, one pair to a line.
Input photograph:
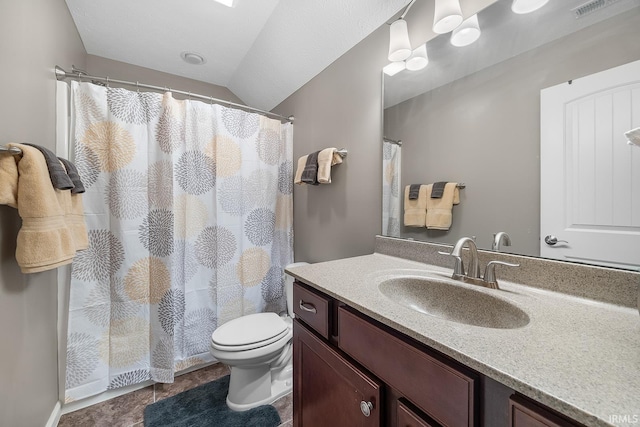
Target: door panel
[590,177]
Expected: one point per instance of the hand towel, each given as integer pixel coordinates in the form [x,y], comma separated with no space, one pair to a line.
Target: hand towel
[438,189]
[57,173]
[414,191]
[326,159]
[415,211]
[72,172]
[310,172]
[74,211]
[44,240]
[8,180]
[439,211]
[302,161]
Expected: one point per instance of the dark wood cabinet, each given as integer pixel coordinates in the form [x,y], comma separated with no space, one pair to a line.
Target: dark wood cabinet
[347,364]
[328,389]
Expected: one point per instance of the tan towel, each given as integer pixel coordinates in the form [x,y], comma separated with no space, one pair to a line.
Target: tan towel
[439,211]
[327,158]
[8,180]
[44,240]
[415,211]
[74,214]
[302,162]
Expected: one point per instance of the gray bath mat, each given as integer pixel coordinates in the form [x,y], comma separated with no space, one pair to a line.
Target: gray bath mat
[206,406]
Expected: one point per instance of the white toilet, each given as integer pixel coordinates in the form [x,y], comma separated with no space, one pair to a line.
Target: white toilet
[258,348]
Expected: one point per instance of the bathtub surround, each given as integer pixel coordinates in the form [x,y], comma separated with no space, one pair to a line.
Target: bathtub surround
[189,212]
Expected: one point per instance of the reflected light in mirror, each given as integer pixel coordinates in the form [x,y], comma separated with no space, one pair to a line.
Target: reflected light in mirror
[418,59]
[527,6]
[399,45]
[394,68]
[447,16]
[467,33]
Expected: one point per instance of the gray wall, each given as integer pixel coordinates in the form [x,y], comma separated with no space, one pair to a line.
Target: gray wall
[103,67]
[484,130]
[341,107]
[35,35]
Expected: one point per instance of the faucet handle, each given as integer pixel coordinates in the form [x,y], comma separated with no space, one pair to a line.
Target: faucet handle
[490,271]
[458,266]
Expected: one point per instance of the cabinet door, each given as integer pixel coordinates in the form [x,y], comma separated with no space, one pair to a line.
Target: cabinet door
[329,390]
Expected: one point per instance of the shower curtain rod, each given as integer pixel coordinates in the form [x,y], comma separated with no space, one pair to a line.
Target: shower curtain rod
[75,73]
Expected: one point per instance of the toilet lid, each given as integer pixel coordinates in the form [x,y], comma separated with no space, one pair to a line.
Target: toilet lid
[250,329]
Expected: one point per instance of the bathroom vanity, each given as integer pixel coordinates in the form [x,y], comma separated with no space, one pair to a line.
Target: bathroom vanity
[364,357]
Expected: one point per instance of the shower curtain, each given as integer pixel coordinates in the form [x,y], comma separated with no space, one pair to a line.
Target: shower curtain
[391,192]
[189,211]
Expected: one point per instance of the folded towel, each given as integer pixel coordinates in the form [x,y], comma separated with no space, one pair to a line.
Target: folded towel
[633,136]
[438,189]
[74,212]
[8,180]
[414,191]
[439,211]
[326,159]
[44,240]
[302,161]
[310,172]
[57,173]
[72,172]
[415,211]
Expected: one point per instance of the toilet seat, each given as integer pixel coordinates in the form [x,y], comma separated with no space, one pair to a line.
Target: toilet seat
[249,332]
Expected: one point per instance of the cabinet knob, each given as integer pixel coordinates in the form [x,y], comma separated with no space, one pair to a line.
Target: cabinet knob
[366,408]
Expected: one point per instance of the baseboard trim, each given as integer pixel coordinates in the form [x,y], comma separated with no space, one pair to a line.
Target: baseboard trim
[54,418]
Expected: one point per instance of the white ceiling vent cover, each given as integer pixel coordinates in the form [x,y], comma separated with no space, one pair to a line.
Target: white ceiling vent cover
[590,7]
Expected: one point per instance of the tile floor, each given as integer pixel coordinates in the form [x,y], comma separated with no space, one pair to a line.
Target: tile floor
[127,410]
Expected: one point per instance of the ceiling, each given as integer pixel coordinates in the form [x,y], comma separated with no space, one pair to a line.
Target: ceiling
[262,50]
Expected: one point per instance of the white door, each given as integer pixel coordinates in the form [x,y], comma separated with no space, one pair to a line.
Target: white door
[590,176]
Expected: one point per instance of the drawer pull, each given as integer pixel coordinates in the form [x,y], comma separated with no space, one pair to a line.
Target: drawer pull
[366,408]
[308,307]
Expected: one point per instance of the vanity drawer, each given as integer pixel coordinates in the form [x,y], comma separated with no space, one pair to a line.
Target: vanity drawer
[443,392]
[524,413]
[407,418]
[312,308]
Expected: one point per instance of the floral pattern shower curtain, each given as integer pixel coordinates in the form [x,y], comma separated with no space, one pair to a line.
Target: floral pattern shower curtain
[189,211]
[391,159]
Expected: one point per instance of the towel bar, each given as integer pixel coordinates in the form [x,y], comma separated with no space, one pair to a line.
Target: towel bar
[10,150]
[461,185]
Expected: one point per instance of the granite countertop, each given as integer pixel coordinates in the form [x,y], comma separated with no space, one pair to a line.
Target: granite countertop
[577,356]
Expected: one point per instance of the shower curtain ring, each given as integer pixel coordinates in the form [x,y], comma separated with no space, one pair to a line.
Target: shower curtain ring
[107,81]
[137,87]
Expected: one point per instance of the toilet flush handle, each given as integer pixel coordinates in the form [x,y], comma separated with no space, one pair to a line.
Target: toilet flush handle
[308,307]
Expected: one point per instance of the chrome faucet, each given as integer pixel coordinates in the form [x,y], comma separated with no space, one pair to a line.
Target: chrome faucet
[472,274]
[500,238]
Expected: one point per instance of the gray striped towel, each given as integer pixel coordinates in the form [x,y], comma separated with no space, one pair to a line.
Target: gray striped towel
[59,177]
[310,172]
[414,191]
[438,189]
[72,171]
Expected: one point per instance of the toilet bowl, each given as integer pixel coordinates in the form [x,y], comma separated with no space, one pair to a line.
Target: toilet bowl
[258,349]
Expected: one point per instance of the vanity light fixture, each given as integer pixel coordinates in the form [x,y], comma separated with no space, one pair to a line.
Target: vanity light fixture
[447,15]
[527,6]
[467,33]
[418,59]
[394,68]
[399,45]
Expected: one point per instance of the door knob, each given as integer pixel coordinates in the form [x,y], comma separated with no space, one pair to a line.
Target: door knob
[552,240]
[366,408]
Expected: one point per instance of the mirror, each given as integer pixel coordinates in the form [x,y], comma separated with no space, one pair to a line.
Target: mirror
[473,114]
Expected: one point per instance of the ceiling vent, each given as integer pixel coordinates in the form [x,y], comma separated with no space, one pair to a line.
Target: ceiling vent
[590,7]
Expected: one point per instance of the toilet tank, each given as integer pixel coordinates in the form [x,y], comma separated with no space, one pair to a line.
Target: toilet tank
[288,283]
